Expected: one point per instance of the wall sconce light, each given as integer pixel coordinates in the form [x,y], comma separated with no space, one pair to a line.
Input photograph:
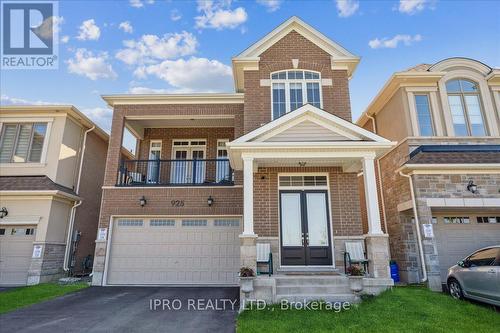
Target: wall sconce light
[210,201]
[471,187]
[3,212]
[302,164]
[143,201]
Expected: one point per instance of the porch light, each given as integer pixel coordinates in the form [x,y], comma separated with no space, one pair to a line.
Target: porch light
[143,201]
[471,187]
[210,201]
[3,212]
[302,164]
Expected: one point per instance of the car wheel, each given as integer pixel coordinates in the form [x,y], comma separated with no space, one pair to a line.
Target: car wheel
[455,289]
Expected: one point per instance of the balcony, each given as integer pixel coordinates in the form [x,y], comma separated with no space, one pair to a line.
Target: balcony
[198,172]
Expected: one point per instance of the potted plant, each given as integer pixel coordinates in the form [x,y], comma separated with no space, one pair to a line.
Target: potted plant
[247,275]
[356,274]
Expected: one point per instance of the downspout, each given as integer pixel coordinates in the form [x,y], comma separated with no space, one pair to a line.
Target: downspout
[419,237]
[380,187]
[75,206]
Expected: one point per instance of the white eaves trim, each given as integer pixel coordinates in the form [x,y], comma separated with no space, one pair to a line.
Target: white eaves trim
[54,193]
[472,168]
[308,112]
[295,23]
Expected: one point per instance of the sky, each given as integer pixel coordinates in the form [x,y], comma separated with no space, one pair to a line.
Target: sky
[162,46]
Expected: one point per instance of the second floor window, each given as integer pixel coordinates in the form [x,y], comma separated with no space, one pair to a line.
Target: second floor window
[424,115]
[294,88]
[23,142]
[465,106]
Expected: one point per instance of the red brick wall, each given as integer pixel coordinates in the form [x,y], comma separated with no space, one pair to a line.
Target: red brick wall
[344,197]
[279,57]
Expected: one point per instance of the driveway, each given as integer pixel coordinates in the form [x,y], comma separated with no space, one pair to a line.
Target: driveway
[130,309]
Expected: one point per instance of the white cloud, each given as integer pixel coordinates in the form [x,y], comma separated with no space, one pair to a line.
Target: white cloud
[101,116]
[175,15]
[145,90]
[94,67]
[65,39]
[218,15]
[140,3]
[7,100]
[192,75]
[394,41]
[89,31]
[126,27]
[150,48]
[347,8]
[411,7]
[271,5]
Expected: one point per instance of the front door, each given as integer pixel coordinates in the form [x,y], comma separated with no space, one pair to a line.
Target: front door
[305,228]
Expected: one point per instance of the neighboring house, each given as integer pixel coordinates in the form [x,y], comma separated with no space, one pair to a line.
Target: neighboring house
[52,161]
[275,162]
[444,175]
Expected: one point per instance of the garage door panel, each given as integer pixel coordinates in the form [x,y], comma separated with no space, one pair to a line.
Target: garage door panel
[186,251]
[15,254]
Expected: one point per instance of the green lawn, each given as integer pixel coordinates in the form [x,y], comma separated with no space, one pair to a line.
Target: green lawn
[24,296]
[402,309]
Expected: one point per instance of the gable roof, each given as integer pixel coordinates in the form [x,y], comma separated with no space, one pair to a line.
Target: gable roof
[340,129]
[249,58]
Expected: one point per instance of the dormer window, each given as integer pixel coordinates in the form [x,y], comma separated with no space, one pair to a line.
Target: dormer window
[294,88]
[465,105]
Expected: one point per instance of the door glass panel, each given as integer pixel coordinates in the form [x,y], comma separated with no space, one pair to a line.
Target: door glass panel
[291,222]
[484,257]
[317,221]
[475,116]
[179,168]
[154,164]
[198,170]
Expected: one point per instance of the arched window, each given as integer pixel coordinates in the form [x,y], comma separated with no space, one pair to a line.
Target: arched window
[294,88]
[465,106]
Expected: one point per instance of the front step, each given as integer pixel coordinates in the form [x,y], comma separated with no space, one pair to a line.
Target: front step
[313,290]
[311,280]
[332,298]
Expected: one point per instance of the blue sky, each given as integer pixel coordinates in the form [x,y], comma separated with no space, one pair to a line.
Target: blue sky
[144,46]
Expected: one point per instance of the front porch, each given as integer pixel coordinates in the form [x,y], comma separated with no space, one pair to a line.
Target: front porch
[301,196]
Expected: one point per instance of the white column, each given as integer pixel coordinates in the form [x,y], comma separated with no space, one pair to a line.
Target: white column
[248,196]
[371,197]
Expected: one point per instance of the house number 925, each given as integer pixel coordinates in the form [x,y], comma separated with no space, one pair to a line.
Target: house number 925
[177,203]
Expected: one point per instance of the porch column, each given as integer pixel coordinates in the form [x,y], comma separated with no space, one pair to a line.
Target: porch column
[248,196]
[371,196]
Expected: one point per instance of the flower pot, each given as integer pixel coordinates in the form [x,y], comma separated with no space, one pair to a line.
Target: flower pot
[246,284]
[356,283]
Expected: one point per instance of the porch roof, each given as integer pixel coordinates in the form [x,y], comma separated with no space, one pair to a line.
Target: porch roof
[309,135]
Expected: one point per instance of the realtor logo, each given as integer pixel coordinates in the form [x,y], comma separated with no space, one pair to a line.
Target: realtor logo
[29,35]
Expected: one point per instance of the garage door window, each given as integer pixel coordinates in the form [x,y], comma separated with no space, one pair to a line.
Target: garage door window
[194,223]
[227,223]
[162,223]
[456,220]
[2,232]
[483,257]
[130,223]
[22,231]
[488,219]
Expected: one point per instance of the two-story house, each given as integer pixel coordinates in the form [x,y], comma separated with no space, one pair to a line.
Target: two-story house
[440,187]
[52,162]
[275,162]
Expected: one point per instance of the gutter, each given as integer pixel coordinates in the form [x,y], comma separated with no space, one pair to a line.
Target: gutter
[77,203]
[419,237]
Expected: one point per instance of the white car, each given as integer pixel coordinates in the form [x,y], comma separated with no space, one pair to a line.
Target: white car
[477,276]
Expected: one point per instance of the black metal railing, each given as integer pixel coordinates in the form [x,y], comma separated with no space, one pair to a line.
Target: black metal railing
[175,172]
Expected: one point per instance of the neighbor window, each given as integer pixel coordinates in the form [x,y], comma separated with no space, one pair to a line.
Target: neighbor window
[22,142]
[465,106]
[292,89]
[424,115]
[457,220]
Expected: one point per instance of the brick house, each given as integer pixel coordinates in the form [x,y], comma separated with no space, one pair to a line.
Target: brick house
[275,162]
[52,161]
[444,174]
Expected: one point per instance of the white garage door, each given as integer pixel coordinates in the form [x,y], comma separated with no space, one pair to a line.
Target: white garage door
[16,247]
[458,235]
[174,251]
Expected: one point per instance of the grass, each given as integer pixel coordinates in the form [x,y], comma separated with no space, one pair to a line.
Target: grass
[402,309]
[23,296]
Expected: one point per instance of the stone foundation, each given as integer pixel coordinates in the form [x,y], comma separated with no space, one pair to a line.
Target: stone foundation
[99,260]
[49,267]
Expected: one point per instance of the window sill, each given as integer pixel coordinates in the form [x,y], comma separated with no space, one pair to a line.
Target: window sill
[23,165]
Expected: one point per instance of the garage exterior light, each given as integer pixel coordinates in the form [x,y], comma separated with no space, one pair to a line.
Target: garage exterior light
[210,201]
[471,187]
[143,201]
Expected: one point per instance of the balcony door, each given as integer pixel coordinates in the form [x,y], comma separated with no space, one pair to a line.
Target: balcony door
[154,161]
[188,165]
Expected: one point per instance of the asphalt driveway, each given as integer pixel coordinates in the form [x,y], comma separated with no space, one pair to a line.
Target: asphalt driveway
[130,309]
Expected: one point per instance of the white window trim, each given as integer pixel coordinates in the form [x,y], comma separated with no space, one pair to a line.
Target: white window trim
[414,114]
[189,147]
[287,88]
[484,97]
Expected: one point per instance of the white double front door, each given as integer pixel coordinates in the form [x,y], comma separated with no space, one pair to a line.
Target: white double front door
[188,165]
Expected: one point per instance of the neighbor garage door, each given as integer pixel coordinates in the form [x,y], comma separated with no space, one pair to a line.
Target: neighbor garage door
[458,235]
[174,251]
[16,247]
